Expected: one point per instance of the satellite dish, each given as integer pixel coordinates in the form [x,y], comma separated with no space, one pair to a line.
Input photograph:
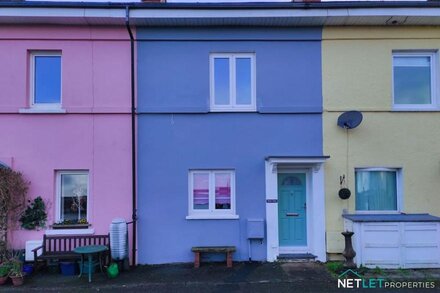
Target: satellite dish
[350,119]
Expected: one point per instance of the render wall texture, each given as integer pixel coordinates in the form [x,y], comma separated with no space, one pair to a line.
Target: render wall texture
[176,133]
[95,132]
[357,75]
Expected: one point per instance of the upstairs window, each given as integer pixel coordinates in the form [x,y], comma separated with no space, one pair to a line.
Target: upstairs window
[414,78]
[232,82]
[45,76]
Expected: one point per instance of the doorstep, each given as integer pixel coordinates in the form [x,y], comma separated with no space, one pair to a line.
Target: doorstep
[296,257]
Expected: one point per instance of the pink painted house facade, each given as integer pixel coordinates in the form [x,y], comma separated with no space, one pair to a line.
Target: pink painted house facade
[65,122]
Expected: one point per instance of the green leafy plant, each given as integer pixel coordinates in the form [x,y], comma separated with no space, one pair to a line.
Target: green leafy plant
[35,215]
[362,270]
[335,266]
[16,267]
[377,271]
[5,269]
[82,221]
[72,222]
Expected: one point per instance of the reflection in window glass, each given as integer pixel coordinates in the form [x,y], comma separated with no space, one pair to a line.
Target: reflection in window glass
[222,191]
[47,79]
[74,195]
[412,79]
[221,81]
[243,77]
[201,191]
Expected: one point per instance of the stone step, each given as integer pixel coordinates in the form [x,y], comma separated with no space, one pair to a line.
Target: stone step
[296,257]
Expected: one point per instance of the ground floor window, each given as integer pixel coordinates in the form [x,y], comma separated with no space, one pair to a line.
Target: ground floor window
[72,196]
[212,192]
[377,189]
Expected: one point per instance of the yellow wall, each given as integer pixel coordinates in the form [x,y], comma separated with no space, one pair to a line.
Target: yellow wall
[357,74]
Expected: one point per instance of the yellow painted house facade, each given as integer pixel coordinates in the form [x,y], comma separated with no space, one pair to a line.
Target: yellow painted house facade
[391,74]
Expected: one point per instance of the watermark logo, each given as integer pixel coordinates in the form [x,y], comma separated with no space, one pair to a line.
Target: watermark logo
[351,279]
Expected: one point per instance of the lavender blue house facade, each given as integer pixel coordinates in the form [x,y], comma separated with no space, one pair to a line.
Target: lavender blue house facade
[231,147]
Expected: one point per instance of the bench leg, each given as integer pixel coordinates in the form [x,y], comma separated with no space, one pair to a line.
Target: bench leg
[229,259]
[196,260]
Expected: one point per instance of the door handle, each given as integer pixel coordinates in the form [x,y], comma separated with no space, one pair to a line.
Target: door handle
[292,214]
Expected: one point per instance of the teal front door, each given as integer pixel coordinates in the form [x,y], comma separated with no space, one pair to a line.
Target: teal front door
[292,209]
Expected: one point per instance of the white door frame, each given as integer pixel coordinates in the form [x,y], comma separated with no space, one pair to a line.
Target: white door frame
[315,204]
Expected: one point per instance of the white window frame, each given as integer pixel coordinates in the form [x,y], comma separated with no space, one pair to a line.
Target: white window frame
[232,107]
[434,88]
[43,106]
[399,190]
[211,213]
[58,191]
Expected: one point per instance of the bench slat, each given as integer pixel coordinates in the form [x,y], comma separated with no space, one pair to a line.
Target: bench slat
[61,247]
[219,249]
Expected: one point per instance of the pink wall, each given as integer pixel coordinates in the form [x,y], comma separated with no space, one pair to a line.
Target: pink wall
[94,134]
[95,66]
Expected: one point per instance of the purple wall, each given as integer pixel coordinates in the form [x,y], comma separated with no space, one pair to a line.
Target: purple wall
[176,133]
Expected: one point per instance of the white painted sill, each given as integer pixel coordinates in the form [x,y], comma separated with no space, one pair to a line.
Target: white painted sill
[42,111]
[212,217]
[232,110]
[70,232]
[415,108]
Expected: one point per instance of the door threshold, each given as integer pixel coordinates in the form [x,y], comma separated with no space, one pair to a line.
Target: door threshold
[296,257]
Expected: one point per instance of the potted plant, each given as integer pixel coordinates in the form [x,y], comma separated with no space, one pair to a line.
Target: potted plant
[71,224]
[35,215]
[15,273]
[4,272]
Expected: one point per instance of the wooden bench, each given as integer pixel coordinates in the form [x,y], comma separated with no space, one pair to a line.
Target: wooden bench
[61,247]
[229,250]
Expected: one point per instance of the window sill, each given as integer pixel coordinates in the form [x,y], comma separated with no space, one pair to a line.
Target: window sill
[415,109]
[232,110]
[70,232]
[212,217]
[42,111]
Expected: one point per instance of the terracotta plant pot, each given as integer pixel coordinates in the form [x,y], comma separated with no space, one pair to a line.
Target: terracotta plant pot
[17,280]
[3,280]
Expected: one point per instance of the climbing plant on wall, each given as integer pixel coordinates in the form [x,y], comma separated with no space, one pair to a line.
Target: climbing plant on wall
[13,190]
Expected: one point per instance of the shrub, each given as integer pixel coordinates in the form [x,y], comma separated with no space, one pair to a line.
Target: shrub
[35,215]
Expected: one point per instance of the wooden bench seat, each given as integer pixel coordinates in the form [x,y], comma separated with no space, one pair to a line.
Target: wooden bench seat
[61,247]
[229,250]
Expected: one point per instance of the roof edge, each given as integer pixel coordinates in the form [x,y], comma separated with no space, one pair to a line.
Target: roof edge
[225,6]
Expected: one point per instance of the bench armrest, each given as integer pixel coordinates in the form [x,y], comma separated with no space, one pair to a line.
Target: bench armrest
[37,248]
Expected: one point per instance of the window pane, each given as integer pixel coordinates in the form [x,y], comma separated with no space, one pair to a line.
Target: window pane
[376,190]
[47,79]
[243,77]
[221,81]
[201,191]
[412,80]
[222,191]
[74,196]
